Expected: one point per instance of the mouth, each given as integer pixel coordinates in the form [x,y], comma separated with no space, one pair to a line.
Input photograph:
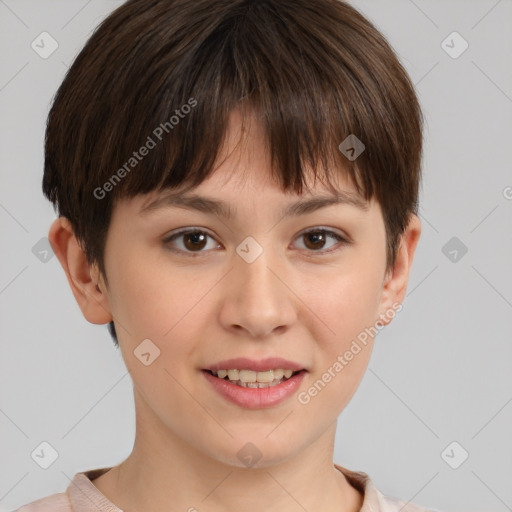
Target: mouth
[255,379]
[246,389]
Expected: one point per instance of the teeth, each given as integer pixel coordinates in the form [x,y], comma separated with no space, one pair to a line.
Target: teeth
[278,374]
[233,374]
[252,378]
[249,376]
[257,384]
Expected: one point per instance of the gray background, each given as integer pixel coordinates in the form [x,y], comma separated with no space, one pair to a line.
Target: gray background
[439,373]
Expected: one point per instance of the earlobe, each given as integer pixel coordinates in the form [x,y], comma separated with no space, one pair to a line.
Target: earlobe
[396,281]
[82,277]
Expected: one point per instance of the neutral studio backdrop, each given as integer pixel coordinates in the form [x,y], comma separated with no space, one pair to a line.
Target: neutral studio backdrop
[431,420]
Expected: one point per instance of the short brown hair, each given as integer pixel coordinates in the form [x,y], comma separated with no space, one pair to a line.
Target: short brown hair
[316,71]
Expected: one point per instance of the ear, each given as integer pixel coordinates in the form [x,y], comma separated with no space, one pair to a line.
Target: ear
[82,277]
[396,279]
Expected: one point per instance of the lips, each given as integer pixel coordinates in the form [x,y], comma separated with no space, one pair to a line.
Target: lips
[261,365]
[255,398]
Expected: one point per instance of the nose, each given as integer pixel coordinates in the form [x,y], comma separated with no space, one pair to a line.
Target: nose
[259,298]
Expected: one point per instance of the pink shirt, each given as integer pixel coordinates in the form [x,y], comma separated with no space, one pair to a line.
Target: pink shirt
[82,496]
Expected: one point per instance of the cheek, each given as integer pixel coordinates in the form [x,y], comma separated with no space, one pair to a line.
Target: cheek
[163,303]
[146,297]
[346,302]
[345,309]
[156,304]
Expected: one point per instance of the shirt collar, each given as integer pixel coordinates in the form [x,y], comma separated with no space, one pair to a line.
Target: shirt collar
[84,495]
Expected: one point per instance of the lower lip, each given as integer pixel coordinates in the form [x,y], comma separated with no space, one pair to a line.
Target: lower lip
[255,398]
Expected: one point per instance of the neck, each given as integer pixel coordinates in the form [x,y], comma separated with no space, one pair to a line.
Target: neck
[163,471]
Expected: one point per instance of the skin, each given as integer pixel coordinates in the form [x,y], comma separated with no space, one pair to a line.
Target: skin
[202,310]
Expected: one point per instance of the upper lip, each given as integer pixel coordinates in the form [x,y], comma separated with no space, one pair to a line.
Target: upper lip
[261,365]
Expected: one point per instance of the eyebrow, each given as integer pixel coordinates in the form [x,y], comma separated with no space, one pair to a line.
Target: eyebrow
[220,208]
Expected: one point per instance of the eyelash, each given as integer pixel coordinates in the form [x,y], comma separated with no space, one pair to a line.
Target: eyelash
[195,254]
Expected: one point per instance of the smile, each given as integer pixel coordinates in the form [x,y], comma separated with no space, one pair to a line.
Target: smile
[253,379]
[255,394]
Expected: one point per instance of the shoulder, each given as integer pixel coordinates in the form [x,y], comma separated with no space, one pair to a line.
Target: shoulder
[373,499]
[78,497]
[54,503]
[391,504]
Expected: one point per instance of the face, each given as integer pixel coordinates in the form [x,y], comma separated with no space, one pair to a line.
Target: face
[258,284]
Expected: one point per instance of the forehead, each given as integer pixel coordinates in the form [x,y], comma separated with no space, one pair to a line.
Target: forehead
[242,173]
[224,197]
[228,198]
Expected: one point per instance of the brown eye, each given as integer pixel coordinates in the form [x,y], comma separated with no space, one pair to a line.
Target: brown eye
[191,241]
[315,239]
[195,240]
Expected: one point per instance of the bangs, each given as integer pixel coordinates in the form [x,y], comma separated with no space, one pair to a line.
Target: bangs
[308,101]
[145,106]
